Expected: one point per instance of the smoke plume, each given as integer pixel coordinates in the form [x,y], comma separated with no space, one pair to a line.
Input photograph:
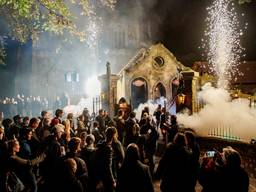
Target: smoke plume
[222,116]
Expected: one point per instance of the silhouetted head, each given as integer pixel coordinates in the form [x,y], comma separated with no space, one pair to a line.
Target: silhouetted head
[173,119]
[179,139]
[190,137]
[17,119]
[110,133]
[90,139]
[59,113]
[231,157]
[132,153]
[132,115]
[74,144]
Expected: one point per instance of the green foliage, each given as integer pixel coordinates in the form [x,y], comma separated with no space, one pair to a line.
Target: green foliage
[28,18]
[244,1]
[2,53]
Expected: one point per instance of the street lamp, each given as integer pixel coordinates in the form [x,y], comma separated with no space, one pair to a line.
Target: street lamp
[181,98]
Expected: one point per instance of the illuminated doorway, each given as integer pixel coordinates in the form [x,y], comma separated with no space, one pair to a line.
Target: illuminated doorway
[160,91]
[139,92]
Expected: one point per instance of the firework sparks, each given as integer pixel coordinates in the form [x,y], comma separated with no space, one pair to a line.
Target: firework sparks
[93,31]
[222,43]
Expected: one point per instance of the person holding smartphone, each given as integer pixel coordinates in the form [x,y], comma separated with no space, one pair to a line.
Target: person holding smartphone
[210,172]
[223,172]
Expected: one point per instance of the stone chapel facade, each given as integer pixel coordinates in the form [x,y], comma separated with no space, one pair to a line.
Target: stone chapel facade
[152,73]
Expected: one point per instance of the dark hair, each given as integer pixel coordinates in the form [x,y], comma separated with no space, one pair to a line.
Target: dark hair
[132,153]
[232,157]
[33,120]
[190,136]
[179,139]
[132,114]
[26,118]
[173,118]
[58,112]
[95,124]
[110,132]
[16,118]
[146,109]
[74,143]
[120,112]
[24,132]
[7,123]
[43,113]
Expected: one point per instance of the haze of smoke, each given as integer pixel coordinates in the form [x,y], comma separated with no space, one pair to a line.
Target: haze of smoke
[152,106]
[78,109]
[220,112]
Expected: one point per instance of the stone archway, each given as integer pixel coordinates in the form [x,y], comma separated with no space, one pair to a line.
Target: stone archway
[139,92]
[159,91]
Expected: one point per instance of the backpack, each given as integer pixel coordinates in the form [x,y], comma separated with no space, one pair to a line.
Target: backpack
[13,183]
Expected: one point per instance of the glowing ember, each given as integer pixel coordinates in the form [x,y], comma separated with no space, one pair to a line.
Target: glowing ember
[222,46]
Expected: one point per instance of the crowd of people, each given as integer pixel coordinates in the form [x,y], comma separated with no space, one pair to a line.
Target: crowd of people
[107,154]
[30,105]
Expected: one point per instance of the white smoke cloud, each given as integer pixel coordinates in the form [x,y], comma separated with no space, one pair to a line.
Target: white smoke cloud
[221,116]
[150,104]
[78,109]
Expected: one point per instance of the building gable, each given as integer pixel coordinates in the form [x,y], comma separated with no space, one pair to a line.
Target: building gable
[156,58]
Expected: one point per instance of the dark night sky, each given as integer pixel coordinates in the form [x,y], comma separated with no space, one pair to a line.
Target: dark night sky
[180,24]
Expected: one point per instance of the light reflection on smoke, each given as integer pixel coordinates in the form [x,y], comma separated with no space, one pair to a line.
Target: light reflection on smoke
[78,109]
[221,112]
[152,105]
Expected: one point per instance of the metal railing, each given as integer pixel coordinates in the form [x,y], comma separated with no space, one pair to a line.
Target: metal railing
[97,104]
[223,130]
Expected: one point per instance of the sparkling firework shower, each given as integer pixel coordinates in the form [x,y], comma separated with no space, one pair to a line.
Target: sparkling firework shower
[94,29]
[222,44]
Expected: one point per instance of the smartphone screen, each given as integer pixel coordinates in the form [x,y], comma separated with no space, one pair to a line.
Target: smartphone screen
[210,153]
